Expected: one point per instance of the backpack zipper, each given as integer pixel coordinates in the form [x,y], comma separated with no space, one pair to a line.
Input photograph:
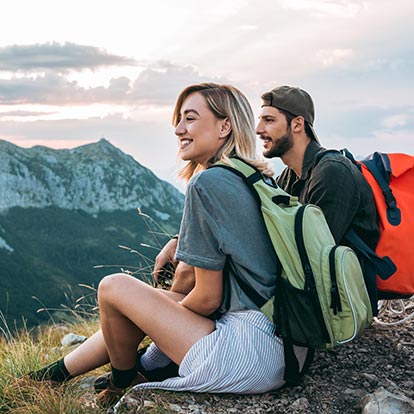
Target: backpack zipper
[335,298]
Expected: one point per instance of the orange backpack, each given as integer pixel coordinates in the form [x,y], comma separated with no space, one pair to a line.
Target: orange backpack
[391,177]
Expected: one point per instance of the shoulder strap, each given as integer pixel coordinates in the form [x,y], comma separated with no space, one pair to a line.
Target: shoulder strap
[383,266]
[379,166]
[250,176]
[348,154]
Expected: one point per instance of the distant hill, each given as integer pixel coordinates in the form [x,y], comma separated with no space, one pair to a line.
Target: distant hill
[64,211]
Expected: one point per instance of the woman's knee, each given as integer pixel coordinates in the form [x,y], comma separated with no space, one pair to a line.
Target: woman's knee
[111,287]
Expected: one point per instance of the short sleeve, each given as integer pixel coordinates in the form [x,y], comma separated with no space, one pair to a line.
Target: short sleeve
[200,240]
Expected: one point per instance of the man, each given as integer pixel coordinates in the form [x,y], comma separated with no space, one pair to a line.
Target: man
[329,181]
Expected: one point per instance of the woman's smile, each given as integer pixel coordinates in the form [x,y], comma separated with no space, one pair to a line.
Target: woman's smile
[185,142]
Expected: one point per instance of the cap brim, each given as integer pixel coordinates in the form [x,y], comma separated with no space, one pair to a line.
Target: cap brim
[314,136]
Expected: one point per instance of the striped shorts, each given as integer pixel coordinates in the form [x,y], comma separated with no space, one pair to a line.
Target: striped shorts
[241,356]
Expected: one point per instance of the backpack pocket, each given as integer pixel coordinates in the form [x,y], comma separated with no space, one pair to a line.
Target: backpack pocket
[291,304]
[346,308]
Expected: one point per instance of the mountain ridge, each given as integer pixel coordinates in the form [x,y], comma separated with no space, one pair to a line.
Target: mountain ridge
[64,211]
[92,177]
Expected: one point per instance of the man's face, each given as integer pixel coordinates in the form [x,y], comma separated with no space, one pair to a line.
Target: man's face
[274,131]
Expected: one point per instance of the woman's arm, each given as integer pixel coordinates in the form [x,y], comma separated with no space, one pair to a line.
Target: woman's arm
[184,278]
[207,294]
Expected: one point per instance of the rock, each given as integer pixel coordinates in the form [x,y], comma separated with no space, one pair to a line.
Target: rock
[194,409]
[86,383]
[382,401]
[72,339]
[354,393]
[373,379]
[408,384]
[301,405]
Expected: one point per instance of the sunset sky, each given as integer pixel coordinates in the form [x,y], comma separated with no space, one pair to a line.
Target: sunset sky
[73,72]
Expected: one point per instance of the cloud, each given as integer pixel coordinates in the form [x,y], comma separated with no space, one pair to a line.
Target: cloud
[56,89]
[57,56]
[158,84]
[23,114]
[162,85]
[326,8]
[398,121]
[334,57]
[352,122]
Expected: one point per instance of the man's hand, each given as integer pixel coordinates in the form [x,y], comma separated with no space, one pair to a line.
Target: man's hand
[164,256]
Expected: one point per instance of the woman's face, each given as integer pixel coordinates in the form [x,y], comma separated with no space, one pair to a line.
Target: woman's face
[200,133]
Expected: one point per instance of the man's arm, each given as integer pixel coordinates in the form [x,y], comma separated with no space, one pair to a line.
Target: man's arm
[184,277]
[332,187]
[166,255]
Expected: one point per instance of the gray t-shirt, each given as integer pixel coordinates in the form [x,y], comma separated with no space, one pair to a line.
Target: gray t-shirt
[222,220]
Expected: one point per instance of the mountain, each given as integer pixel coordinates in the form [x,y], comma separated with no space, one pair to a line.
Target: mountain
[62,212]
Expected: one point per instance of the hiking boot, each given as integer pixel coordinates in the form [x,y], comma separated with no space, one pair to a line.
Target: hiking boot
[108,397]
[111,394]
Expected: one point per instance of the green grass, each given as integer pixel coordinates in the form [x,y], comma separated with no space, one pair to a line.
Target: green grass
[27,350]
[30,349]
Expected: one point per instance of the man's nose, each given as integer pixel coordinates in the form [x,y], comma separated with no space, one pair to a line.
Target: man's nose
[259,128]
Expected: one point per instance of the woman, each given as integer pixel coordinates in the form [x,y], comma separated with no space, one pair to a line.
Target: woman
[222,228]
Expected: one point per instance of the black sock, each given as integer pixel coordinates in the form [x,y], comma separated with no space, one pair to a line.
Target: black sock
[122,378]
[54,372]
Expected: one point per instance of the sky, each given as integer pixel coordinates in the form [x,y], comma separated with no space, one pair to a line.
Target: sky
[72,72]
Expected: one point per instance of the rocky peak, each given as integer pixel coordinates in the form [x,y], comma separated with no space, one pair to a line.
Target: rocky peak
[93,177]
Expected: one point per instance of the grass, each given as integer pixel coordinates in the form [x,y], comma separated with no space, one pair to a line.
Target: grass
[27,349]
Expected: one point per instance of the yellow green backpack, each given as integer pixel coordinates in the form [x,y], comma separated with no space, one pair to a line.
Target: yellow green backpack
[320,299]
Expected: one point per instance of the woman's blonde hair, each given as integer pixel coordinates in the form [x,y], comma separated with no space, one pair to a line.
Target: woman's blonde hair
[226,101]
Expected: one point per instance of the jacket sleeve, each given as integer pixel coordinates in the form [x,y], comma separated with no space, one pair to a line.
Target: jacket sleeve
[333,188]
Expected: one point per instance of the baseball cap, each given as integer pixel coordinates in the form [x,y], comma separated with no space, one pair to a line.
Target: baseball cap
[294,100]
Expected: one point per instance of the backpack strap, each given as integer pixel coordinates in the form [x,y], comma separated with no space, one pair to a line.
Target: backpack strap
[250,176]
[379,166]
[383,266]
[292,374]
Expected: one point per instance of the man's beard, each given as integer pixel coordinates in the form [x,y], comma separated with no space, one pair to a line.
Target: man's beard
[280,146]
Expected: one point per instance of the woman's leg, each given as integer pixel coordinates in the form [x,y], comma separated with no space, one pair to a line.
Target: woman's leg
[89,355]
[131,309]
[92,353]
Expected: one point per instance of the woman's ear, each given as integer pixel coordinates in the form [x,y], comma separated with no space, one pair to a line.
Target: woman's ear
[225,128]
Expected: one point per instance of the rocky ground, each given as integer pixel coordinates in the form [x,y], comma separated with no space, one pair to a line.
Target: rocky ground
[383,359]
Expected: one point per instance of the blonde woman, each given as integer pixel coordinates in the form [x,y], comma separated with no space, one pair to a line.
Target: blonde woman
[222,233]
